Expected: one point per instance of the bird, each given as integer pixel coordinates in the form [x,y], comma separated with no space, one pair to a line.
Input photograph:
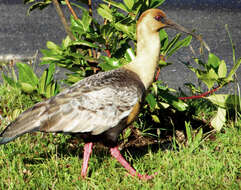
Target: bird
[99,107]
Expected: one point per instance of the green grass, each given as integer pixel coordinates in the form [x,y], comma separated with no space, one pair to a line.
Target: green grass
[13,101]
[47,161]
[40,161]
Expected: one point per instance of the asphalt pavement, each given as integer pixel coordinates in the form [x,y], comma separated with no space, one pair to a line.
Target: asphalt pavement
[21,36]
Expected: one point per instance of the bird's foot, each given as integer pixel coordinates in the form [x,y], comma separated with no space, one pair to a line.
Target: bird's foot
[87,152]
[116,153]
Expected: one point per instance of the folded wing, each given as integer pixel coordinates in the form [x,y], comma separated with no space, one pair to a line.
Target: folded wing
[95,104]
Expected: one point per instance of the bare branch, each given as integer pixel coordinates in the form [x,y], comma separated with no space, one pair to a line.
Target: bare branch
[63,19]
[71,9]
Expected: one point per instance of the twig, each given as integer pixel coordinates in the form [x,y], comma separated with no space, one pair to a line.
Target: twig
[105,20]
[90,14]
[200,95]
[71,9]
[107,51]
[63,19]
[90,7]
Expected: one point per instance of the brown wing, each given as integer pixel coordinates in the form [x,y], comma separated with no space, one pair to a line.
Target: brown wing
[94,105]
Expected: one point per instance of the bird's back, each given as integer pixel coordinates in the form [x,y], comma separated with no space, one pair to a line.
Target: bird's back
[94,105]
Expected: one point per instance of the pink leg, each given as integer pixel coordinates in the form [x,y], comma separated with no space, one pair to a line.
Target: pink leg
[116,153]
[87,152]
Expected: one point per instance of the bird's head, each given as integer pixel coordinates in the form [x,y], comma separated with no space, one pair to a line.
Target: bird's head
[155,20]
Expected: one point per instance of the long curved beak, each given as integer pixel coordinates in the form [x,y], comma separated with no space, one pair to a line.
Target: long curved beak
[170,24]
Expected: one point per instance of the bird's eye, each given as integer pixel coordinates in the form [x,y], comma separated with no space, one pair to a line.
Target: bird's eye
[160,18]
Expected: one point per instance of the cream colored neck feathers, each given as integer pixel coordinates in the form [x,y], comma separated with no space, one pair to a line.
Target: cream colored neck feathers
[148,50]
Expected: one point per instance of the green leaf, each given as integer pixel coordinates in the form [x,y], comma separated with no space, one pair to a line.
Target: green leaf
[66,42]
[26,74]
[51,90]
[193,88]
[52,58]
[14,75]
[151,101]
[188,132]
[163,63]
[108,63]
[84,43]
[129,30]
[16,113]
[163,39]
[155,118]
[213,61]
[117,5]
[9,80]
[222,70]
[179,105]
[200,62]
[38,5]
[179,44]
[28,1]
[54,89]
[154,88]
[48,91]
[46,80]
[225,100]
[209,78]
[129,3]
[171,44]
[219,119]
[198,138]
[127,133]
[53,46]
[173,100]
[164,105]
[76,24]
[50,74]
[234,69]
[47,52]
[73,78]
[42,82]
[26,87]
[130,54]
[86,19]
[156,3]
[105,12]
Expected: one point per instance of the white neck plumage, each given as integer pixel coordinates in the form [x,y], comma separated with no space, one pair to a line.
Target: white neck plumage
[148,54]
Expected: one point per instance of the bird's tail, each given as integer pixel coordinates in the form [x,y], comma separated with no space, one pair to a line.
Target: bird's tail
[28,121]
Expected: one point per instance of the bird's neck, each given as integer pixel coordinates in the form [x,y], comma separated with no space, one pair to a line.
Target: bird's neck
[148,53]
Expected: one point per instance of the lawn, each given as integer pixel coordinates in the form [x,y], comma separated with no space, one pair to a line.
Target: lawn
[46,161]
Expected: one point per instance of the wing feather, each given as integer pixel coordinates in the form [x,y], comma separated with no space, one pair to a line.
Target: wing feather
[93,105]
